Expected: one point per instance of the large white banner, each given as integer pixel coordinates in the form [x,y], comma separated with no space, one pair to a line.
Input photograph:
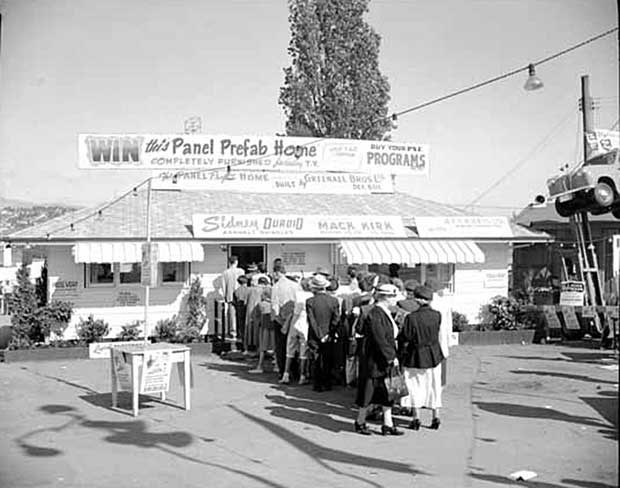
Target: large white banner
[273,182]
[302,226]
[202,151]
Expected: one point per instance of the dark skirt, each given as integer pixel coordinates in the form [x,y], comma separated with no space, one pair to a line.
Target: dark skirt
[372,391]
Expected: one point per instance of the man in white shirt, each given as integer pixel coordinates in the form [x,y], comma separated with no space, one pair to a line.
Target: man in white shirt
[229,285]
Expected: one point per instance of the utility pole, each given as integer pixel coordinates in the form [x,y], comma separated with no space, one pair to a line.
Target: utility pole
[587,251]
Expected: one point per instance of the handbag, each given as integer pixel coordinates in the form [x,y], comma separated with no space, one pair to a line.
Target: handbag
[395,383]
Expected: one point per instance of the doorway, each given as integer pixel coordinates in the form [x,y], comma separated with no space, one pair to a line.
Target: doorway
[248,255]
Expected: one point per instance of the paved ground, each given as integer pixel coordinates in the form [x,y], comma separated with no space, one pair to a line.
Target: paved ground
[549,409]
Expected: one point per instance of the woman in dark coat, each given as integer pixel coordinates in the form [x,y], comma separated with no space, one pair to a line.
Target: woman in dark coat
[421,356]
[377,353]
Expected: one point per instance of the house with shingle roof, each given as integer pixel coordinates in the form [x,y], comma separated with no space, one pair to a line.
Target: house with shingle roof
[94,256]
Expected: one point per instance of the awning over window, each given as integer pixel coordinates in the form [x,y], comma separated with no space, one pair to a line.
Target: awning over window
[411,252]
[131,252]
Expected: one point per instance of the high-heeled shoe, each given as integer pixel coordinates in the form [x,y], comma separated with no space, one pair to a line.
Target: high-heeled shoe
[361,428]
[387,430]
[415,424]
[435,423]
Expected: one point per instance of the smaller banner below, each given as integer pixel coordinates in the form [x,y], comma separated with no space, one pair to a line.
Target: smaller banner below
[463,227]
[601,142]
[156,372]
[273,182]
[572,293]
[297,226]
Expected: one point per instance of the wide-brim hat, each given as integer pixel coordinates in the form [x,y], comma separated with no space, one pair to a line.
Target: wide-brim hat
[322,271]
[423,292]
[252,267]
[387,290]
[319,282]
[411,285]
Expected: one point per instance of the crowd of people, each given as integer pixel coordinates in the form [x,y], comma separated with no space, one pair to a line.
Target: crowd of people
[354,331]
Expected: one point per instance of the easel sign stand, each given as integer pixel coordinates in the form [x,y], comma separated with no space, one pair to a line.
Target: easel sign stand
[145,368]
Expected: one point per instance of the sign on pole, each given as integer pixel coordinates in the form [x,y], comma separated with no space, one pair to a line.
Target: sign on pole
[572,293]
[149,264]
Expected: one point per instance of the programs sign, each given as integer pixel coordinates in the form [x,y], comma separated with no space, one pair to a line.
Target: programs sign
[302,226]
[206,152]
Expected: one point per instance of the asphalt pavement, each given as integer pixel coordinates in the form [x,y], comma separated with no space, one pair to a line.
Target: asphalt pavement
[548,409]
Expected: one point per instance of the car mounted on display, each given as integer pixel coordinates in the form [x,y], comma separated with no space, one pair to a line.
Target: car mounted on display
[593,186]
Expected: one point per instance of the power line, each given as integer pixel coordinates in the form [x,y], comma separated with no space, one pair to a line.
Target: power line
[524,160]
[501,77]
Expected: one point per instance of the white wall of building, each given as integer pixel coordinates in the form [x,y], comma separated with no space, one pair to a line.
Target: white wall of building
[476,284]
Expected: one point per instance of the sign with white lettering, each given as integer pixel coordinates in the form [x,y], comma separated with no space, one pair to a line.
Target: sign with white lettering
[463,227]
[252,181]
[572,293]
[297,226]
[274,153]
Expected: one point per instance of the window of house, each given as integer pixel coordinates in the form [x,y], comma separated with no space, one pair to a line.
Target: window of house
[173,272]
[443,273]
[100,274]
[129,273]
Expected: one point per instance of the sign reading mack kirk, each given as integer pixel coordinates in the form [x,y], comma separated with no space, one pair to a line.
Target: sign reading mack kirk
[306,226]
[201,151]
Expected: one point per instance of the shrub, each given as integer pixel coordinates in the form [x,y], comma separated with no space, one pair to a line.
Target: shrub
[167,329]
[91,330]
[197,306]
[131,332]
[54,318]
[459,322]
[500,313]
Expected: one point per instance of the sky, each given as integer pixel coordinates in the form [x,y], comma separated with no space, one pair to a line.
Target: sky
[144,66]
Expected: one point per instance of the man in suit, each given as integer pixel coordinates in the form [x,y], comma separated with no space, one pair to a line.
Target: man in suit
[229,285]
[323,319]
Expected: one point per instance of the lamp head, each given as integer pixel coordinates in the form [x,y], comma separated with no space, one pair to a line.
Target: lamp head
[533,82]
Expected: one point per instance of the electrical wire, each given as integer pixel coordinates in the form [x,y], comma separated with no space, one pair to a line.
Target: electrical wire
[545,140]
[393,116]
[503,76]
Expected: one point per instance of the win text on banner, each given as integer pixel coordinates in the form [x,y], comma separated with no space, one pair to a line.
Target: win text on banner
[202,151]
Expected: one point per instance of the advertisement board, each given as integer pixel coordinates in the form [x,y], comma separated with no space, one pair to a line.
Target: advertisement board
[572,293]
[601,142]
[253,181]
[463,227]
[156,372]
[298,226]
[273,153]
[122,369]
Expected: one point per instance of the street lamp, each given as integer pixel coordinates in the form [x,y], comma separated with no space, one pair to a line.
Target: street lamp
[533,82]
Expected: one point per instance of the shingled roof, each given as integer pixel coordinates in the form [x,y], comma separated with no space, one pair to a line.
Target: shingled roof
[171,213]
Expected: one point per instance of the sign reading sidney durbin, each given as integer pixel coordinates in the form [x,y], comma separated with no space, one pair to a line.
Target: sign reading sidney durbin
[201,151]
[306,226]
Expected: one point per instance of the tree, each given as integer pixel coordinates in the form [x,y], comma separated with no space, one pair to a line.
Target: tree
[23,305]
[333,87]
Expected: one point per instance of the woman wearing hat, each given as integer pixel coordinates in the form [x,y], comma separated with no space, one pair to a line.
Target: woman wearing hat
[377,354]
[420,352]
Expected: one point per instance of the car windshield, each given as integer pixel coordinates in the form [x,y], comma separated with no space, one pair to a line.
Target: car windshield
[607,158]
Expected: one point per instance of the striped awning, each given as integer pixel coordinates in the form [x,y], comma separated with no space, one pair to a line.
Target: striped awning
[131,252]
[411,252]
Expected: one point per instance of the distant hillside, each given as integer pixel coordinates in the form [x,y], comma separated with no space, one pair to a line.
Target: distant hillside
[17,217]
